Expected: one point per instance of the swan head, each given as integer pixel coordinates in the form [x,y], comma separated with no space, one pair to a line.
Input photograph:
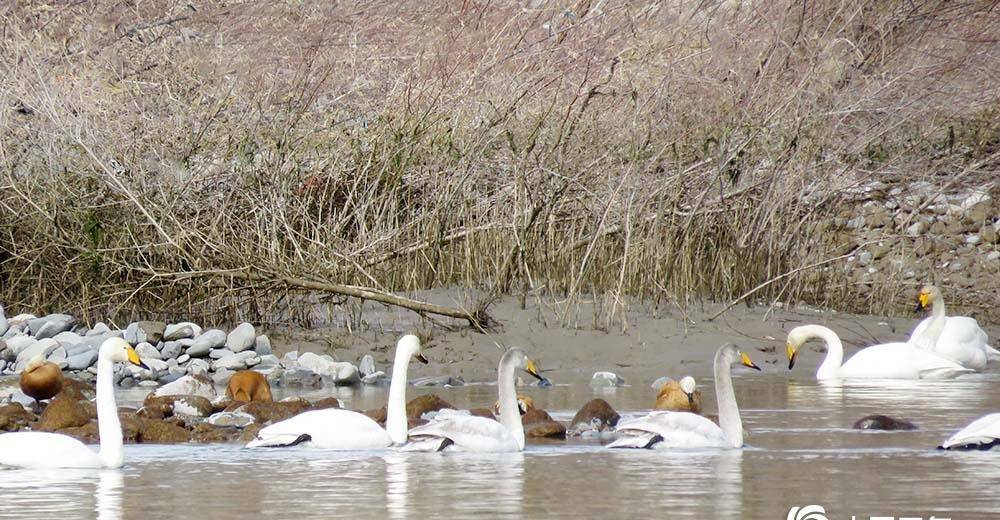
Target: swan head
[119,351]
[928,295]
[796,338]
[732,354]
[688,386]
[519,359]
[410,346]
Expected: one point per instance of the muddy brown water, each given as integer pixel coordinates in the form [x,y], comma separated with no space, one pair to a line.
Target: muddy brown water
[800,451]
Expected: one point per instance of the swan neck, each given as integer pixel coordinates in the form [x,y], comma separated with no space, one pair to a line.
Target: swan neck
[510,416]
[830,367]
[108,426]
[395,415]
[936,325]
[729,412]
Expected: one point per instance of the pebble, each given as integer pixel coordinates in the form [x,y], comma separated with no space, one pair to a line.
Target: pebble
[241,338]
[219,353]
[183,358]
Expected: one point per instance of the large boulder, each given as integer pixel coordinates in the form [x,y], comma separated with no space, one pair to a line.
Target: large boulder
[50,325]
[13,417]
[425,403]
[241,338]
[212,338]
[265,412]
[68,408]
[539,424]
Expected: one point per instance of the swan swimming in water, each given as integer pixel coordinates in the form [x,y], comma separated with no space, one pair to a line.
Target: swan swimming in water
[959,338]
[886,361]
[452,431]
[336,428]
[659,430]
[54,450]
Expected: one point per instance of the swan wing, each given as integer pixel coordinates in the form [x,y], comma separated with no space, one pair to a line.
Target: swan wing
[462,432]
[45,450]
[982,432]
[900,361]
[919,335]
[676,430]
[330,428]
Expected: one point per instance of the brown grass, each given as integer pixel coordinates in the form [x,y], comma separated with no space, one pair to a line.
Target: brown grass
[610,150]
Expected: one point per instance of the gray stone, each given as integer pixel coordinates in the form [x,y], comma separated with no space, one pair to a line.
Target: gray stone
[219,353]
[132,333]
[993,256]
[234,361]
[856,222]
[18,343]
[262,345]
[237,419]
[300,377]
[40,348]
[26,401]
[126,382]
[253,360]
[917,228]
[198,366]
[150,331]
[221,376]
[182,330]
[367,365]
[290,358]
[183,358]
[188,385]
[156,368]
[81,361]
[606,380]
[973,239]
[57,356]
[100,329]
[48,326]
[864,258]
[241,338]
[67,338]
[268,360]
[170,377]
[213,338]
[171,349]
[3,322]
[147,351]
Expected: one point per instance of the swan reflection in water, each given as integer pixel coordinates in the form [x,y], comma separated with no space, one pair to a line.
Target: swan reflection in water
[483,483]
[53,491]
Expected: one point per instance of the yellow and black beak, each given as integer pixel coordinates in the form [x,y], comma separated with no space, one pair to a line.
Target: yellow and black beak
[745,359]
[792,352]
[533,370]
[923,301]
[134,358]
[420,357]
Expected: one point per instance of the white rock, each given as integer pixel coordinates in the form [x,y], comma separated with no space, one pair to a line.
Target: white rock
[132,333]
[50,325]
[183,407]
[147,351]
[219,353]
[82,360]
[43,347]
[3,322]
[262,345]
[237,419]
[993,256]
[241,338]
[606,380]
[367,365]
[253,360]
[375,378]
[198,366]
[21,319]
[268,360]
[18,343]
[213,338]
[188,385]
[290,358]
[57,356]
[234,361]
[221,376]
[973,239]
[182,330]
[183,358]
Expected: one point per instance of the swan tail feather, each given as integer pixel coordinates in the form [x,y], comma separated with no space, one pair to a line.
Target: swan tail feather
[641,441]
[279,441]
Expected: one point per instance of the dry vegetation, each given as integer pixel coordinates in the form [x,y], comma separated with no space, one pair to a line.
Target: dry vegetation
[214,159]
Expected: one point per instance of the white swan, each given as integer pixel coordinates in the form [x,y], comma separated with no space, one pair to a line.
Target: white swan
[981,434]
[660,430]
[53,450]
[959,338]
[336,428]
[453,431]
[886,361]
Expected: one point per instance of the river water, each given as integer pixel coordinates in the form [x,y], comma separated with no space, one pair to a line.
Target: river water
[800,451]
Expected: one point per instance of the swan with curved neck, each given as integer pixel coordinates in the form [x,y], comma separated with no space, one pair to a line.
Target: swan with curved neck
[660,430]
[53,450]
[959,338]
[885,361]
[335,428]
[453,431]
